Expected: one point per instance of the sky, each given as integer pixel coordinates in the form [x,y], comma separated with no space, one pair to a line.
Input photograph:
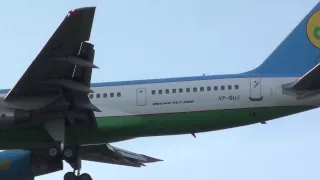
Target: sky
[145,39]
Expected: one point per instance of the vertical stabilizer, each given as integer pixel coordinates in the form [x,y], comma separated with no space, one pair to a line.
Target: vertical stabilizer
[298,53]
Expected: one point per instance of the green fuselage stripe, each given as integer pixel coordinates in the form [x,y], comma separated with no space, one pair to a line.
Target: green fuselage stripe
[180,123]
[111,129]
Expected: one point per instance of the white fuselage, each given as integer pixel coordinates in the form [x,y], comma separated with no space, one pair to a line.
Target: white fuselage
[172,97]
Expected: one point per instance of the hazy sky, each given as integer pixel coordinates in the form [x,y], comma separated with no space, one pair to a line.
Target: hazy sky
[170,38]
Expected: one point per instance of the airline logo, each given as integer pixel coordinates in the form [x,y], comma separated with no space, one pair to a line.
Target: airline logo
[313,29]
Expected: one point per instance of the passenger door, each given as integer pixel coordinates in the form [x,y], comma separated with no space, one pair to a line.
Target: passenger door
[255,89]
[141,97]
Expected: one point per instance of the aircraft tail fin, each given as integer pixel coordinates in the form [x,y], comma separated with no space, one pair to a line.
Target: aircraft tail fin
[298,53]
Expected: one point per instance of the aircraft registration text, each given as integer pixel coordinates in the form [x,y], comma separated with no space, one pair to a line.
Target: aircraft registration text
[231,97]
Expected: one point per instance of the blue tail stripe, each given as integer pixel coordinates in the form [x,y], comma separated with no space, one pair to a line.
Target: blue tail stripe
[295,55]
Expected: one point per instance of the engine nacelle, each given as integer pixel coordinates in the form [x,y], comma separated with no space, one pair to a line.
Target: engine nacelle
[22,165]
[14,118]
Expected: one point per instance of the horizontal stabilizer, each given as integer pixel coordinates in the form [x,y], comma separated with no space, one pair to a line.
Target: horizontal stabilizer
[309,81]
[76,61]
[306,86]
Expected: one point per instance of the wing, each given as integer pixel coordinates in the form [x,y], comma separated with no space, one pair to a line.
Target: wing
[43,163]
[113,155]
[306,86]
[55,86]
[65,61]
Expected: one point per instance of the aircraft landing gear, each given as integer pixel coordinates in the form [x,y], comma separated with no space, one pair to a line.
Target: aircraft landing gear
[72,176]
[71,156]
[69,176]
[85,176]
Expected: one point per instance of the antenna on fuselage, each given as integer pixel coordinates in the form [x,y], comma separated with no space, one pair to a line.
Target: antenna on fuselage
[194,135]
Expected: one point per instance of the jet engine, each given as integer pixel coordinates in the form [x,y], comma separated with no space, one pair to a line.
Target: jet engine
[22,165]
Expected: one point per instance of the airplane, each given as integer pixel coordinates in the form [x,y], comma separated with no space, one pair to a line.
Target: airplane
[54,113]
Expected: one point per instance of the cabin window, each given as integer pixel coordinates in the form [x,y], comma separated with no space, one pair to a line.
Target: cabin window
[174,90]
[194,89]
[215,88]
[167,91]
[222,88]
[160,91]
[118,94]
[201,88]
[229,87]
[208,88]
[98,95]
[236,86]
[188,90]
[105,95]
[153,92]
[112,95]
[180,90]
[91,96]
